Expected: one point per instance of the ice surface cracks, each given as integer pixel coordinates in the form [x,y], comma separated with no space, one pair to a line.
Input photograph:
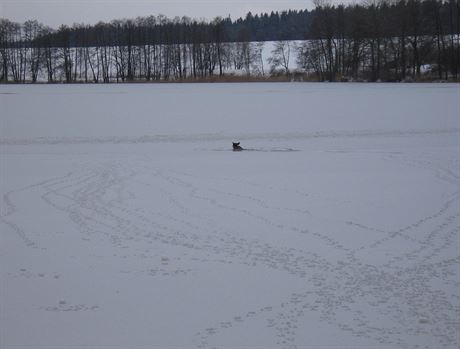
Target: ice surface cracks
[99,202]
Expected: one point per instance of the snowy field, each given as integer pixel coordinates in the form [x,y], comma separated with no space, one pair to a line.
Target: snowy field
[128,222]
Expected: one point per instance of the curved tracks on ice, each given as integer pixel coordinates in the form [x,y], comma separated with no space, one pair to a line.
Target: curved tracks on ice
[348,294]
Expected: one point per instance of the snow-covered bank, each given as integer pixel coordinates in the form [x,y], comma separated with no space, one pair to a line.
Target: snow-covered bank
[127,221]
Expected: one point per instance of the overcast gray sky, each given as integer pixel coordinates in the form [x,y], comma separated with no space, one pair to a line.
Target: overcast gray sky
[56,12]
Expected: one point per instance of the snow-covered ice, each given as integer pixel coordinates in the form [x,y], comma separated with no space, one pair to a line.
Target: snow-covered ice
[128,222]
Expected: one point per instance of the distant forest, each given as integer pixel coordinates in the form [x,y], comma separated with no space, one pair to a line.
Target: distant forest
[376,41]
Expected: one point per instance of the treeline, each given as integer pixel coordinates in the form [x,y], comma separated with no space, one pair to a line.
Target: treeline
[382,40]
[153,48]
[287,25]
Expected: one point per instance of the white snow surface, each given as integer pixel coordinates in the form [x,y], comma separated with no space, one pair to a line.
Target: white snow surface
[128,222]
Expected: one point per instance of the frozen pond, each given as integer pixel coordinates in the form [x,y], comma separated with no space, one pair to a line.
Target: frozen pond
[128,222]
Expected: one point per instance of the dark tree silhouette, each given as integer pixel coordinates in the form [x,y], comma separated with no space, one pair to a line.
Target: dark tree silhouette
[378,40]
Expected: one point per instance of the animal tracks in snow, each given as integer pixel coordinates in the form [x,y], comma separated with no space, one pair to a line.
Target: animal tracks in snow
[158,224]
